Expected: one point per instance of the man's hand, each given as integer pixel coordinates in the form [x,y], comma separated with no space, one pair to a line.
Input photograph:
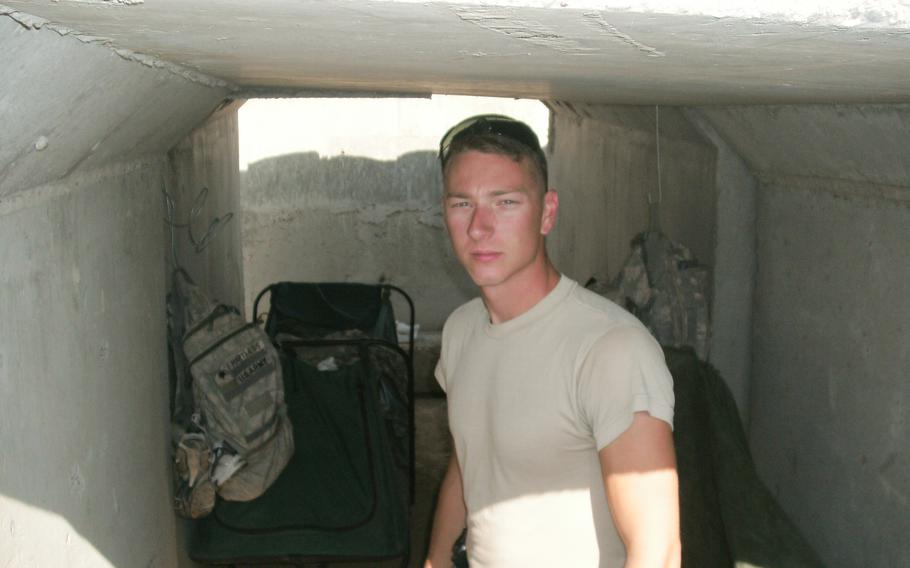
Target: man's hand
[639,470]
[449,519]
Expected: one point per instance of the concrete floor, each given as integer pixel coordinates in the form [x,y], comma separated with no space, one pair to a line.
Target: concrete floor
[434,446]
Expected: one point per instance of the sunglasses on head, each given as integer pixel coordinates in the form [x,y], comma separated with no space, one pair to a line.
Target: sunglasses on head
[495,124]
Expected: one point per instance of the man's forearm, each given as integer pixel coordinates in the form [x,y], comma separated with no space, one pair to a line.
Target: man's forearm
[449,519]
[667,556]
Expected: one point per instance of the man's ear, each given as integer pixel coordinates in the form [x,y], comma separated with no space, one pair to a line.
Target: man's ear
[550,207]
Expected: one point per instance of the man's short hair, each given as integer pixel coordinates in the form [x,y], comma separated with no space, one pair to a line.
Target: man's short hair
[494,134]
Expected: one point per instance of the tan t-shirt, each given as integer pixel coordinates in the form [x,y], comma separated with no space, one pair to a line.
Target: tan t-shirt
[531,401]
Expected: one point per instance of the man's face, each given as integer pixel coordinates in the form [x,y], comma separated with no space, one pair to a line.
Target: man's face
[497,215]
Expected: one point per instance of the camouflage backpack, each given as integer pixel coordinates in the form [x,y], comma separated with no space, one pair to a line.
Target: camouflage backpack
[232,434]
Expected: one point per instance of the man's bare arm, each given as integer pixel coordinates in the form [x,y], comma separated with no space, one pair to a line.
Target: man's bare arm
[639,471]
[449,519]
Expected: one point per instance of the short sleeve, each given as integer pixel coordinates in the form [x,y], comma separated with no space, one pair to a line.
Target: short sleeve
[459,325]
[623,372]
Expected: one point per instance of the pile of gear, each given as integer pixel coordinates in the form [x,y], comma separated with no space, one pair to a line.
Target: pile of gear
[663,285]
[230,429]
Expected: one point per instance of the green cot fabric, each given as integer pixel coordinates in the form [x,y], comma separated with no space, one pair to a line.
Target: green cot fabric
[728,517]
[341,496]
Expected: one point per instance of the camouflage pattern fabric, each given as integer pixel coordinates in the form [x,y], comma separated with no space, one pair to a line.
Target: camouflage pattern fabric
[238,401]
[667,289]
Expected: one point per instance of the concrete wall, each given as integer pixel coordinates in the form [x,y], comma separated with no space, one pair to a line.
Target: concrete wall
[83,431]
[84,434]
[734,266]
[829,415]
[208,158]
[352,219]
[67,105]
[604,166]
[84,477]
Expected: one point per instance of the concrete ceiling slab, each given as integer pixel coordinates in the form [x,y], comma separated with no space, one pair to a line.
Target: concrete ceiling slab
[631,53]
[866,144]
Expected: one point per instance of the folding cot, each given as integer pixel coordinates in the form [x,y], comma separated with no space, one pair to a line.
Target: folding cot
[345,494]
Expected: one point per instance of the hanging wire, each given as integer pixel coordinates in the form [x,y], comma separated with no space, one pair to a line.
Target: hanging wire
[213,227]
[198,203]
[654,206]
[660,194]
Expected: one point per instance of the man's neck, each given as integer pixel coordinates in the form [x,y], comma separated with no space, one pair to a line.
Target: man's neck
[511,299]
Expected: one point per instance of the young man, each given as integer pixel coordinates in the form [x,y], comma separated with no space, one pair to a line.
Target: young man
[560,403]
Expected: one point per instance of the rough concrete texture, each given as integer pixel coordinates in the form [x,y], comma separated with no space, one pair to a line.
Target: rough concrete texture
[604,167]
[841,13]
[84,432]
[207,158]
[828,386]
[65,105]
[734,267]
[352,219]
[641,52]
[830,419]
[84,436]
[433,447]
[863,143]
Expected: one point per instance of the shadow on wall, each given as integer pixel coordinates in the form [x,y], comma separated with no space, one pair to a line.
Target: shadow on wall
[352,219]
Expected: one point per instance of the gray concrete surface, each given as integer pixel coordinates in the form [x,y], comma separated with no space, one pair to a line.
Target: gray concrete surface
[84,430]
[829,423]
[862,143]
[616,51]
[207,158]
[86,127]
[433,449]
[344,219]
[67,105]
[84,426]
[734,267]
[830,429]
[604,168]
